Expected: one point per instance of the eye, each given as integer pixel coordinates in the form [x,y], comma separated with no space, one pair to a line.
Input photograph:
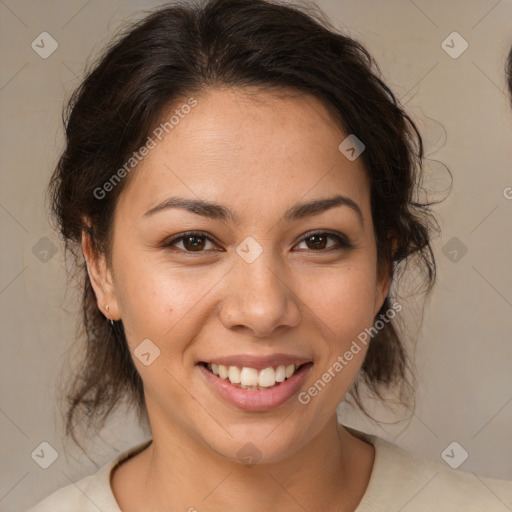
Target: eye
[197,241]
[318,241]
[192,241]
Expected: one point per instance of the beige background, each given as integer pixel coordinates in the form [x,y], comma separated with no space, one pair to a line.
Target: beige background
[464,344]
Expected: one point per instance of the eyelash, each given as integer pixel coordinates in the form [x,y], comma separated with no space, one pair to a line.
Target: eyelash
[341,240]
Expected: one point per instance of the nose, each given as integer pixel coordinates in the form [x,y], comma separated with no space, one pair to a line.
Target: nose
[258,299]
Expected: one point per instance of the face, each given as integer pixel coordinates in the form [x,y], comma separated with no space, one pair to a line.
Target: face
[266,283]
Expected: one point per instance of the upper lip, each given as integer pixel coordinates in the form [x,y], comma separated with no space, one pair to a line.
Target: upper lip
[257,362]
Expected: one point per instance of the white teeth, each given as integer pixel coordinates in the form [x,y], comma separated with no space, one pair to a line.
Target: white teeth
[223,371]
[249,377]
[280,373]
[234,375]
[267,378]
[252,378]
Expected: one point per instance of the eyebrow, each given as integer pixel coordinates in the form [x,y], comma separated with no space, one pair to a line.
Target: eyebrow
[219,212]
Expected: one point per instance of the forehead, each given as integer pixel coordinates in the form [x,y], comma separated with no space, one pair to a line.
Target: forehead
[251,148]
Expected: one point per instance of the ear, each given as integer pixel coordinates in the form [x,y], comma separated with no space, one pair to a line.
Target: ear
[384,278]
[101,279]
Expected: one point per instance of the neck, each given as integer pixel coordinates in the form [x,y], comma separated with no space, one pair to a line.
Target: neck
[330,472]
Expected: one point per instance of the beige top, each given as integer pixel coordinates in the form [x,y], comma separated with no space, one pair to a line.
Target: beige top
[398,482]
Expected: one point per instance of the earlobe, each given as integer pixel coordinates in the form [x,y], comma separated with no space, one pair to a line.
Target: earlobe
[384,278]
[101,279]
[383,286]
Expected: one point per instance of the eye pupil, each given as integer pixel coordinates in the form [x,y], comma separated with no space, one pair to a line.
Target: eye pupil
[197,245]
[320,241]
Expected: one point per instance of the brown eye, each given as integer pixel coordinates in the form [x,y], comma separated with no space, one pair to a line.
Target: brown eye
[317,242]
[194,243]
[191,242]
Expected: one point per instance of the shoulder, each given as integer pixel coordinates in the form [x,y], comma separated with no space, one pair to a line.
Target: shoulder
[90,494]
[402,481]
[78,496]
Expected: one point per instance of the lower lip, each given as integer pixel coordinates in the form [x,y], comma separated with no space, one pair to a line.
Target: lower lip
[257,400]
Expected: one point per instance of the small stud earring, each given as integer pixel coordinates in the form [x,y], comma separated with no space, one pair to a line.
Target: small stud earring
[110,319]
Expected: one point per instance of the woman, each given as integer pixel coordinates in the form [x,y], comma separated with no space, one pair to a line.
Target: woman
[242,187]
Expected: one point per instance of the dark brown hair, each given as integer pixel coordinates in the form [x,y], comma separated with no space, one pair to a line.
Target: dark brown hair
[509,73]
[178,51]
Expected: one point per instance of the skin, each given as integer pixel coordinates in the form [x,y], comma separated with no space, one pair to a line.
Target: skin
[258,154]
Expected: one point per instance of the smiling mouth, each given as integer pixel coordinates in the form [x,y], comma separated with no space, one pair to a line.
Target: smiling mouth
[251,378]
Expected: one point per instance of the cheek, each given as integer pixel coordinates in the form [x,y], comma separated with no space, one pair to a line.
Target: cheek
[157,301]
[342,299]
[341,307]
